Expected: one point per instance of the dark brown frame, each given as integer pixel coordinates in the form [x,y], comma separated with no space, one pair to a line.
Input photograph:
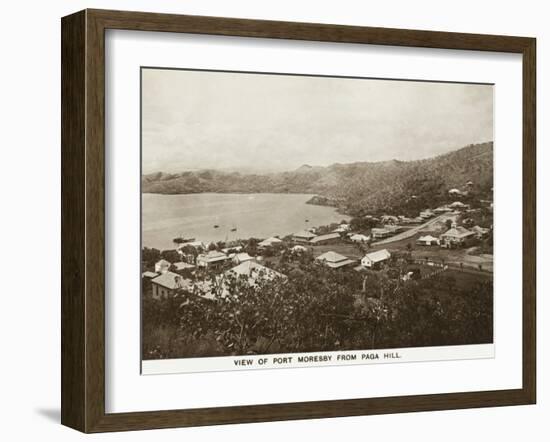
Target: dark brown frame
[83,216]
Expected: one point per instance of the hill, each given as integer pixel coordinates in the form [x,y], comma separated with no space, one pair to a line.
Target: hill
[354,188]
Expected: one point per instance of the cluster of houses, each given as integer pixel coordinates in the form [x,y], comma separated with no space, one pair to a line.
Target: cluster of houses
[165,282]
[168,277]
[372,260]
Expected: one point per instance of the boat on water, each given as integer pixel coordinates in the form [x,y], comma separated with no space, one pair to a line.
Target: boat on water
[216,226]
[234,229]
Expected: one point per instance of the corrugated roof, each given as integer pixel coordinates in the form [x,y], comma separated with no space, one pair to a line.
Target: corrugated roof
[331,257]
[253,269]
[457,232]
[324,237]
[304,234]
[269,241]
[379,255]
[213,256]
[171,281]
[183,265]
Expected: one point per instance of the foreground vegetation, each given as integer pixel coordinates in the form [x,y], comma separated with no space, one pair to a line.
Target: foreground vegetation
[317,309]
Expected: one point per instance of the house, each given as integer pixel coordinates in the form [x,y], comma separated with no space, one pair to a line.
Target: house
[374,260]
[443,209]
[181,266]
[254,271]
[233,249]
[334,260]
[241,257]
[389,219]
[359,238]
[325,239]
[211,259]
[162,266]
[455,192]
[427,240]
[456,236]
[379,233]
[270,242]
[195,244]
[166,285]
[394,229]
[342,228]
[480,232]
[458,205]
[426,214]
[149,275]
[299,249]
[303,236]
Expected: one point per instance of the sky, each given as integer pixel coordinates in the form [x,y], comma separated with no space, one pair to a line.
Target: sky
[263,122]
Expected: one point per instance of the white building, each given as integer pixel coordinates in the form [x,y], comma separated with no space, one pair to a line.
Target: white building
[212,258]
[162,266]
[334,260]
[270,242]
[241,257]
[359,238]
[374,260]
[167,284]
[428,240]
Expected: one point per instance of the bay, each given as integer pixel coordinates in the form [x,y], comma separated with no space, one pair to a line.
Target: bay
[165,217]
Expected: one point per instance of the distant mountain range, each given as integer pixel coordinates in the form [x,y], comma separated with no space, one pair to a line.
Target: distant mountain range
[354,187]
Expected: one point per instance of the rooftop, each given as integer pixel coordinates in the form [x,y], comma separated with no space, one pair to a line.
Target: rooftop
[213,256]
[253,270]
[324,237]
[183,266]
[304,234]
[334,260]
[171,281]
[379,255]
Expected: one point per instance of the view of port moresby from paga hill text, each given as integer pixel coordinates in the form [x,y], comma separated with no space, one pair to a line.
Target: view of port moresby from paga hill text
[286,214]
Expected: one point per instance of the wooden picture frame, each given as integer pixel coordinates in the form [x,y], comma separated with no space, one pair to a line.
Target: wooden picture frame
[83,219]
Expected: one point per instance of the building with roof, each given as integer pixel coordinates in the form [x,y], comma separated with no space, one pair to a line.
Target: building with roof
[443,209]
[269,242]
[213,258]
[167,284]
[456,192]
[359,238]
[334,260]
[149,275]
[303,236]
[162,266]
[299,249]
[329,238]
[390,219]
[458,205]
[194,244]
[254,271]
[375,260]
[182,266]
[379,233]
[241,257]
[456,236]
[427,240]
[342,228]
[480,231]
[426,214]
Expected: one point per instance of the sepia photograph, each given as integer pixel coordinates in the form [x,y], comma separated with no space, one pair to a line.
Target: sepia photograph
[303,214]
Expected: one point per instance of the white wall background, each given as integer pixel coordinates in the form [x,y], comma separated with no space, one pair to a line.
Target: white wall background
[30,216]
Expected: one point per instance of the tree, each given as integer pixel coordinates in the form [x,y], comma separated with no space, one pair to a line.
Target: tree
[170,256]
